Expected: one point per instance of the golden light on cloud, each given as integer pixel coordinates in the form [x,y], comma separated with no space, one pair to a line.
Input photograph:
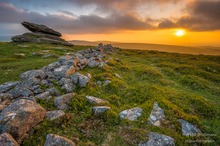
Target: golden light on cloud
[180,32]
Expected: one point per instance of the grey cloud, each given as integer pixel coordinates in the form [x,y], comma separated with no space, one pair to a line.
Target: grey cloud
[203,16]
[81,24]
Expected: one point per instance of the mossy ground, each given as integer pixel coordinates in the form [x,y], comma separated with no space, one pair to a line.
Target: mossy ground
[185,86]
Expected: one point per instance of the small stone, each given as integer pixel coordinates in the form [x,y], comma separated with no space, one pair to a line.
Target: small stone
[100,109]
[131,114]
[89,76]
[95,100]
[106,82]
[52,115]
[83,80]
[99,83]
[117,75]
[156,139]
[75,78]
[188,129]
[7,140]
[156,116]
[68,85]
[61,102]
[43,95]
[56,140]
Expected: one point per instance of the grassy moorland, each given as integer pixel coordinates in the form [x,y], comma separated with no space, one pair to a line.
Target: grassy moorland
[185,86]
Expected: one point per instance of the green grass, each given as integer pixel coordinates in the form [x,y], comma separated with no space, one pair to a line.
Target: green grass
[185,86]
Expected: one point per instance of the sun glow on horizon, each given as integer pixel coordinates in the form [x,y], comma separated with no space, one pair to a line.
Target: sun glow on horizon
[180,32]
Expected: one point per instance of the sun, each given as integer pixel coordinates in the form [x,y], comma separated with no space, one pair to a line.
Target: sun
[180,32]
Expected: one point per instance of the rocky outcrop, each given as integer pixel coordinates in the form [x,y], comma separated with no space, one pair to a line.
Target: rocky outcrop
[56,140]
[131,114]
[156,116]
[7,140]
[188,129]
[156,139]
[19,117]
[40,28]
[40,34]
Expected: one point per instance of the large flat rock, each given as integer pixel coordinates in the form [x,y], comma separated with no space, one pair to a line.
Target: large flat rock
[40,28]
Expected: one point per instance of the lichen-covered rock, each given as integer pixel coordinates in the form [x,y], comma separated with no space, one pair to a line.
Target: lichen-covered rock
[52,115]
[95,100]
[7,86]
[7,140]
[39,74]
[188,129]
[100,109]
[75,78]
[61,102]
[157,115]
[56,140]
[156,139]
[20,116]
[131,114]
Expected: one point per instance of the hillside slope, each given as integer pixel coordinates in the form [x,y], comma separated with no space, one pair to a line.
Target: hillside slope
[184,86]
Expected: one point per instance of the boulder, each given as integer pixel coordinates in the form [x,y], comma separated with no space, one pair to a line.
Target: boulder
[7,140]
[40,28]
[131,114]
[156,139]
[157,115]
[188,129]
[61,102]
[56,140]
[52,115]
[20,116]
[100,109]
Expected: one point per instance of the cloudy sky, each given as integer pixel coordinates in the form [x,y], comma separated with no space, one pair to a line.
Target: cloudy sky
[145,21]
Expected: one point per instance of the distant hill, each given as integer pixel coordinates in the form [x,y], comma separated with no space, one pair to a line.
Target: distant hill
[5,38]
[206,50]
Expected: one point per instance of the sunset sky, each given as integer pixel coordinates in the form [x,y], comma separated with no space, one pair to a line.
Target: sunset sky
[141,21]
